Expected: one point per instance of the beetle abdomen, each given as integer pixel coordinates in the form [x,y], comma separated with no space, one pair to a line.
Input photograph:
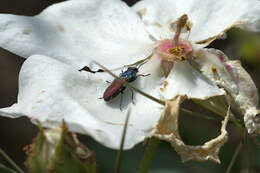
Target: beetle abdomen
[113,90]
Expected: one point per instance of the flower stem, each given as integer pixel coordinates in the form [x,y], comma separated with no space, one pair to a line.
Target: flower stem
[148,155]
[4,169]
[10,161]
[234,157]
[257,143]
[119,154]
[186,111]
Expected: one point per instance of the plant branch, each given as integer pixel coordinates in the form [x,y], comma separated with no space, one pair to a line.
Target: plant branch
[257,143]
[197,114]
[5,169]
[10,161]
[119,154]
[148,155]
[234,157]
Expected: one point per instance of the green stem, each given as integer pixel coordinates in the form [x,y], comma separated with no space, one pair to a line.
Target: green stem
[148,155]
[10,161]
[234,157]
[119,154]
[4,169]
[257,143]
[239,127]
[186,111]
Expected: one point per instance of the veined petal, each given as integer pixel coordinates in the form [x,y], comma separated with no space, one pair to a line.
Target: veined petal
[76,32]
[51,91]
[182,80]
[208,18]
[185,80]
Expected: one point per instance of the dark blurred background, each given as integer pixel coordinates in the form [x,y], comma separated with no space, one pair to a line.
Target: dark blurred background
[16,133]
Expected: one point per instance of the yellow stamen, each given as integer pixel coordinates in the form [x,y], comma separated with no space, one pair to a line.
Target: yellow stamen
[214,70]
[177,50]
[182,49]
[182,57]
[174,51]
[187,27]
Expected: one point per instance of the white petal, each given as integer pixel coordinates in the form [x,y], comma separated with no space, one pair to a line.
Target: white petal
[75,32]
[208,18]
[182,80]
[51,91]
[185,80]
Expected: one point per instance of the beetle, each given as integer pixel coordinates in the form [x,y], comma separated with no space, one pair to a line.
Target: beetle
[117,87]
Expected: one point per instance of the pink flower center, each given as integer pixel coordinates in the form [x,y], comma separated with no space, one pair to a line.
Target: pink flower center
[174,49]
[179,52]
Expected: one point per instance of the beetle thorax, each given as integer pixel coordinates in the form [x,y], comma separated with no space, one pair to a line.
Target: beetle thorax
[130,74]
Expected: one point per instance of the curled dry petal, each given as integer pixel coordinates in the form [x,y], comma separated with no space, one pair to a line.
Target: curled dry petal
[231,76]
[247,99]
[167,130]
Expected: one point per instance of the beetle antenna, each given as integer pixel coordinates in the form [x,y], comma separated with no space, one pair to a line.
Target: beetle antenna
[139,65]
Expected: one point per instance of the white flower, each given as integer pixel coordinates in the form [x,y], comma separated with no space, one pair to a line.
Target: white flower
[70,35]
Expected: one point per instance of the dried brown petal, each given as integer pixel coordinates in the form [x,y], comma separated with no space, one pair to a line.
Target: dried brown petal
[167,130]
[247,99]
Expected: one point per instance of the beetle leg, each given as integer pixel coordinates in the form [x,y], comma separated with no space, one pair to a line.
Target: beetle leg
[122,70]
[143,75]
[121,99]
[108,81]
[132,96]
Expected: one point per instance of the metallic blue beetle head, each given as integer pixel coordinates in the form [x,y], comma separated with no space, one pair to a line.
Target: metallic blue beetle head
[131,73]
